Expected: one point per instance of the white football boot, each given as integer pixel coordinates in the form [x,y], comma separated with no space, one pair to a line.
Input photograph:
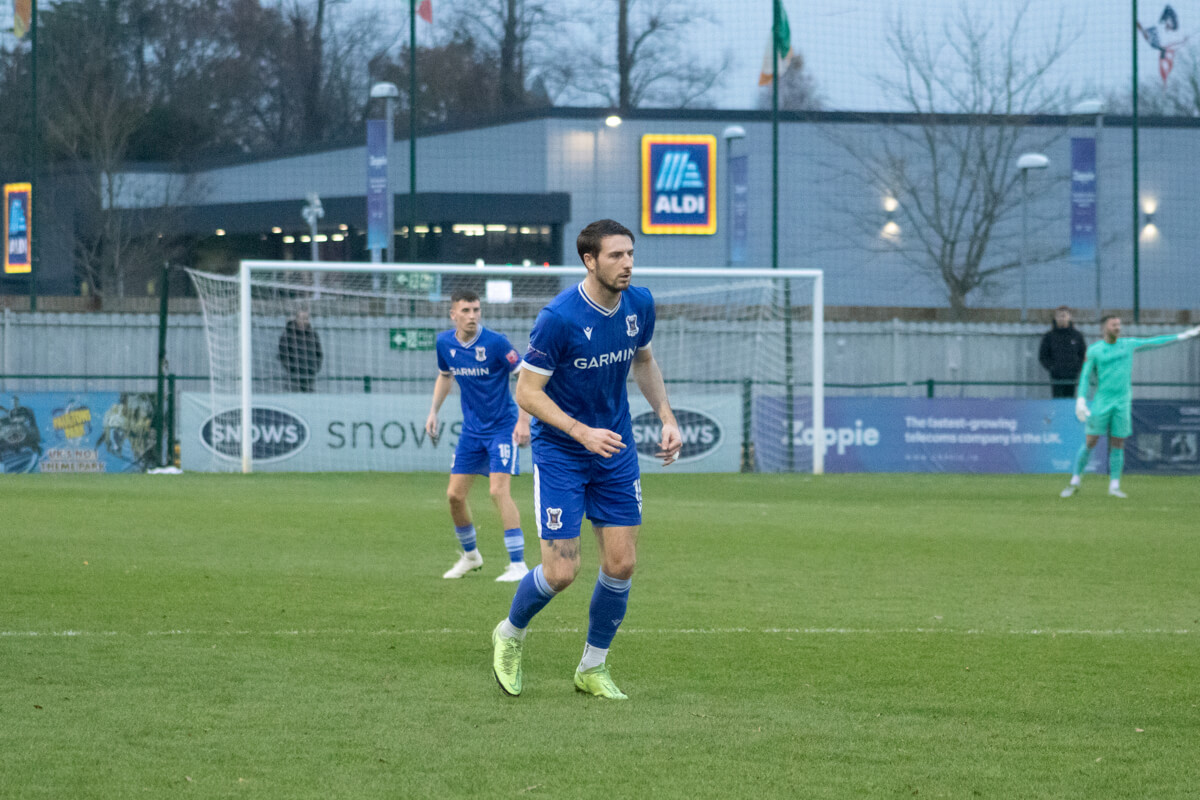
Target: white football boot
[467,562]
[513,572]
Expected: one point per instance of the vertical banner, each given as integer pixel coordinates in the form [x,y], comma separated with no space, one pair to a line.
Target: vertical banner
[739,209]
[17,253]
[679,184]
[377,185]
[1083,200]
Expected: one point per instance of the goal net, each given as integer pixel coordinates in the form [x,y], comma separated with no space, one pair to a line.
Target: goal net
[333,364]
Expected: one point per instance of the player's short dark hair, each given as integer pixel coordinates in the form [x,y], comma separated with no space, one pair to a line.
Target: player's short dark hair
[463,295]
[1107,317]
[590,237]
[1064,308]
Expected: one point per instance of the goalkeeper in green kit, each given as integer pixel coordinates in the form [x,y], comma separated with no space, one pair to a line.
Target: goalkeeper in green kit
[1111,359]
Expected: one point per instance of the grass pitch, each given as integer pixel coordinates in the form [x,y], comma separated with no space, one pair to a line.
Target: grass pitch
[290,636]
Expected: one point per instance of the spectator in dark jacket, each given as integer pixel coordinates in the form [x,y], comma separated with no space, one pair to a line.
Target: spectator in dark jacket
[300,352]
[1062,354]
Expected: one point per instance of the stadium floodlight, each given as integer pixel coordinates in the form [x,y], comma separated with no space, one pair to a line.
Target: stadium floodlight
[720,336]
[1026,162]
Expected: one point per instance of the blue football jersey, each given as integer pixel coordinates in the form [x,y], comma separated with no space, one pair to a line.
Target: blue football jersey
[481,367]
[587,351]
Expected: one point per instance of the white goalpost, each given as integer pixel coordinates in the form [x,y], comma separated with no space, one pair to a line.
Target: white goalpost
[742,351]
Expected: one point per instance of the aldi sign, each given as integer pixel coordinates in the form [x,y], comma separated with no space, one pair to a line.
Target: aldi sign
[679,184]
[17,233]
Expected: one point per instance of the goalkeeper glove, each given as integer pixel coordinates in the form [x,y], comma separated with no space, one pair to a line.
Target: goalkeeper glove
[1189,333]
[1081,409]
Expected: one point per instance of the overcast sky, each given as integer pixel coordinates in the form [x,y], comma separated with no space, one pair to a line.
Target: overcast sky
[844,41]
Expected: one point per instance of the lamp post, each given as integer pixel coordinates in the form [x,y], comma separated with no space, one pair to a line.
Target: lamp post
[731,134]
[311,213]
[1095,108]
[390,94]
[1026,162]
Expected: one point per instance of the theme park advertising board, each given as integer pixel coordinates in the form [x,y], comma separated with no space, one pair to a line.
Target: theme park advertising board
[386,432]
[76,432]
[17,228]
[880,434]
[679,184]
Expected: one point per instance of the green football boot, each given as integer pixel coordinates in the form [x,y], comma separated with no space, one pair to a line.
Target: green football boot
[506,661]
[597,681]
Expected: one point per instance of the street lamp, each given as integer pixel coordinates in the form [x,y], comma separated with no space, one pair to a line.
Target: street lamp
[311,213]
[1026,162]
[390,94]
[1095,108]
[731,134]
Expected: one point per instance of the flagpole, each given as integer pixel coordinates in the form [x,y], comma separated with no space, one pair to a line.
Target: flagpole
[35,228]
[1136,204]
[789,378]
[412,132]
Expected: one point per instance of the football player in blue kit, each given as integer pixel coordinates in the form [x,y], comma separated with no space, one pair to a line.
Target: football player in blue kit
[581,350]
[481,360]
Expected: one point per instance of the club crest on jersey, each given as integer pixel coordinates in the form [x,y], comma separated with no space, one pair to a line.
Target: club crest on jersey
[554,518]
[480,354]
[631,328]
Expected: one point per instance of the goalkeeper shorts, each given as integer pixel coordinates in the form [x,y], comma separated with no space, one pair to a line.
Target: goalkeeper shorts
[1115,420]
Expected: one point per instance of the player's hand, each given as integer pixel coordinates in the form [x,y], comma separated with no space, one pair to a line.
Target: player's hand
[1081,409]
[431,425]
[521,434]
[670,444]
[1190,333]
[600,441]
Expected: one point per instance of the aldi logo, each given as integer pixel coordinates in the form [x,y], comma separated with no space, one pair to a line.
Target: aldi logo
[679,184]
[17,224]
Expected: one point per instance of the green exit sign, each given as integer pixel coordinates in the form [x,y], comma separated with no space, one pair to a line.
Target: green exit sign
[412,338]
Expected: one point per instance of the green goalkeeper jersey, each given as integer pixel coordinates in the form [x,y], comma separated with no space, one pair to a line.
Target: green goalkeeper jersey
[1113,365]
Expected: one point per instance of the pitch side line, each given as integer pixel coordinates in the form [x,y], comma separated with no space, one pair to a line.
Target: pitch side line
[1048,632]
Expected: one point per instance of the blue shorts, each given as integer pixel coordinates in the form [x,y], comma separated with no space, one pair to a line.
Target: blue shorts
[568,485]
[484,455]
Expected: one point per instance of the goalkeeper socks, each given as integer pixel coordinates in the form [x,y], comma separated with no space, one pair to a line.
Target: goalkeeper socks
[533,593]
[609,600]
[514,542]
[466,537]
[1116,463]
[1081,460]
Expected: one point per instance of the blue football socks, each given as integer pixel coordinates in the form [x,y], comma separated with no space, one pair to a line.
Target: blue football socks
[609,601]
[533,593]
[466,537]
[514,542]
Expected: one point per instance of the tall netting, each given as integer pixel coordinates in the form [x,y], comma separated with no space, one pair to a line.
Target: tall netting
[342,364]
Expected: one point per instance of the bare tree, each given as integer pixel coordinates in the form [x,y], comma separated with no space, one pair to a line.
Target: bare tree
[510,29]
[953,177]
[798,89]
[643,60]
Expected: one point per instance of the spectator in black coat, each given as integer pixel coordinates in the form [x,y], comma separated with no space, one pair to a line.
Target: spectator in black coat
[300,352]
[1062,354]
